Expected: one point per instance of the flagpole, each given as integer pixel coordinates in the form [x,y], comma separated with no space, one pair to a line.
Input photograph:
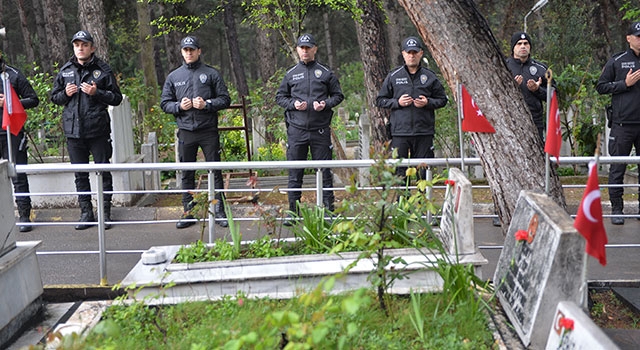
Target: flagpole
[547,161]
[8,105]
[460,134]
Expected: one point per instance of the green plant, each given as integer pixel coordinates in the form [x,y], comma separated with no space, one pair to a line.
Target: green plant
[315,227]
[390,217]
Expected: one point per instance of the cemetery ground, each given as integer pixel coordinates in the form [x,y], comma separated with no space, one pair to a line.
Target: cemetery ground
[608,310]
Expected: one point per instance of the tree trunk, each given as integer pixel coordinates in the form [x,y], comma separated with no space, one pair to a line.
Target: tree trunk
[26,33]
[43,48]
[266,41]
[147,51]
[466,51]
[331,56]
[394,33]
[92,19]
[57,39]
[235,60]
[373,52]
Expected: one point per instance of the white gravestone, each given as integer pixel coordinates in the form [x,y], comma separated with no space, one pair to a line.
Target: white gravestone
[7,216]
[573,329]
[536,273]
[456,225]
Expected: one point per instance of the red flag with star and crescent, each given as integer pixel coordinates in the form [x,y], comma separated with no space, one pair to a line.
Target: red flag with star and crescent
[473,118]
[554,129]
[589,219]
[13,114]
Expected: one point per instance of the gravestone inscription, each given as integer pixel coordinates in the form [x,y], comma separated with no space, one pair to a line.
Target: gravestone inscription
[541,264]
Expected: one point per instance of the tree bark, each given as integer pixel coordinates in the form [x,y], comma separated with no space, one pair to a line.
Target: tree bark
[43,47]
[146,51]
[57,39]
[331,56]
[373,52]
[466,51]
[26,33]
[92,19]
[235,60]
[267,43]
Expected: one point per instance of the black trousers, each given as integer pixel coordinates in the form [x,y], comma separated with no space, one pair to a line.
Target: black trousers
[188,143]
[621,139]
[19,150]
[101,150]
[299,144]
[413,147]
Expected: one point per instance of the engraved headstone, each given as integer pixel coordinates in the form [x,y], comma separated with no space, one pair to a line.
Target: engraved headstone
[573,329]
[541,268]
[456,225]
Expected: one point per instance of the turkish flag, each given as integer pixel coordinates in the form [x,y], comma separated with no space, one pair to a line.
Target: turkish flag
[472,117]
[589,219]
[554,129]
[13,114]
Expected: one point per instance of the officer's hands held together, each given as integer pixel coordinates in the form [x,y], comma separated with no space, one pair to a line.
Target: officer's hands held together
[197,103]
[317,106]
[89,89]
[406,101]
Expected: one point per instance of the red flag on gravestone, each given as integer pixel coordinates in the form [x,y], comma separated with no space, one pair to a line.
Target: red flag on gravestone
[472,117]
[589,219]
[554,129]
[13,113]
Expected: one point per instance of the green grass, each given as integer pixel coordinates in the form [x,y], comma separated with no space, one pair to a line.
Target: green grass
[350,321]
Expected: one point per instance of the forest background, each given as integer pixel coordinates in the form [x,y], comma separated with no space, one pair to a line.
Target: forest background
[252,43]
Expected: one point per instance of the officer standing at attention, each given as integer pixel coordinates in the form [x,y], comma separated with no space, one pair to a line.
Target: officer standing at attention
[194,93]
[619,78]
[308,92]
[86,87]
[412,93]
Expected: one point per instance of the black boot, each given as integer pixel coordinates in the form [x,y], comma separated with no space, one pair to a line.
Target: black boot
[25,216]
[293,209]
[86,216]
[107,215]
[617,206]
[221,216]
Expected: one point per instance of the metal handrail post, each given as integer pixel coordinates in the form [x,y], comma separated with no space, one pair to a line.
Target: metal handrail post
[101,239]
[319,187]
[429,194]
[211,190]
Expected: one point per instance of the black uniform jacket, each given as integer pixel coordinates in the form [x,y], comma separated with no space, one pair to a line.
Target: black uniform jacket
[193,80]
[624,100]
[412,121]
[309,82]
[86,116]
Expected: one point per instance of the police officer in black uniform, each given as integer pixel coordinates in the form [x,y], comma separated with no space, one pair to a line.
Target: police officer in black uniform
[619,78]
[19,142]
[530,76]
[412,93]
[308,92]
[86,87]
[194,93]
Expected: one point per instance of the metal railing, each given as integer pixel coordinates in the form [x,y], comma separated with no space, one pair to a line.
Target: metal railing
[254,165]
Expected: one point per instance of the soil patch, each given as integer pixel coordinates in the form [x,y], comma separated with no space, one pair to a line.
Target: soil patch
[607,311]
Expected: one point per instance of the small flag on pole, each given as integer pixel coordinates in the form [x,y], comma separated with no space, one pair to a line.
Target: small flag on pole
[554,129]
[589,219]
[13,114]
[473,119]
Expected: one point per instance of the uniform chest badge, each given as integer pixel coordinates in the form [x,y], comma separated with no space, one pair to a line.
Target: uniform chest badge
[533,70]
[423,78]
[203,78]
[96,74]
[317,73]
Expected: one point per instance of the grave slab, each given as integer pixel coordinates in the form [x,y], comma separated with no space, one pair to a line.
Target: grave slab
[542,269]
[456,225]
[573,329]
